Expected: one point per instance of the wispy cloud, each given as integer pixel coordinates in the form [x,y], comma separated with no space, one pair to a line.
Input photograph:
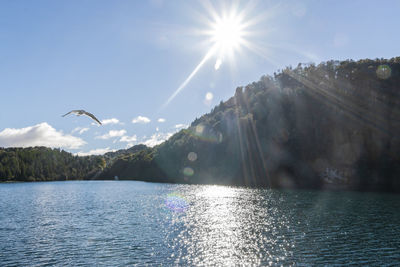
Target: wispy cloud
[159,137]
[156,139]
[41,134]
[111,134]
[128,145]
[180,126]
[161,120]
[111,121]
[141,119]
[128,139]
[98,151]
[80,130]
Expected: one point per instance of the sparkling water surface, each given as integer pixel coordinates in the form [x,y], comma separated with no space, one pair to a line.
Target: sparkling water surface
[123,223]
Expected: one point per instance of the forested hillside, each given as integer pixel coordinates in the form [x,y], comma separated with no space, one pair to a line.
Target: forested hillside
[46,164]
[335,125]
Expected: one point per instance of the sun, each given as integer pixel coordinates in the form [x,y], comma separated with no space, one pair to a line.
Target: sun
[227,33]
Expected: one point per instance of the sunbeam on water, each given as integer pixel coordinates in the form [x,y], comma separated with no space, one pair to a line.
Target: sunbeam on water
[125,223]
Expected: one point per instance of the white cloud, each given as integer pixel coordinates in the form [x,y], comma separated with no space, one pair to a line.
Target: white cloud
[141,119]
[160,137]
[80,130]
[95,124]
[180,126]
[156,139]
[112,133]
[41,134]
[98,151]
[129,145]
[111,121]
[128,139]
[161,120]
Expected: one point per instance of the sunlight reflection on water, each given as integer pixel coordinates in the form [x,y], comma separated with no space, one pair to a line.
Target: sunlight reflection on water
[122,223]
[219,230]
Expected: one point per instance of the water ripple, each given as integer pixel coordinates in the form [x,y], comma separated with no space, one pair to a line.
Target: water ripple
[127,223]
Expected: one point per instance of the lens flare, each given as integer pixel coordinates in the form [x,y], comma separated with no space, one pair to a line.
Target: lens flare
[199,129]
[192,156]
[209,96]
[206,133]
[187,171]
[383,72]
[183,85]
[217,64]
[176,202]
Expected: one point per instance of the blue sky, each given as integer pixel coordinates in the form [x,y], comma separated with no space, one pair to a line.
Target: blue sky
[123,60]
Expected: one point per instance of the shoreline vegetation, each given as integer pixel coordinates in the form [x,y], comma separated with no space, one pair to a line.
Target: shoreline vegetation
[332,126]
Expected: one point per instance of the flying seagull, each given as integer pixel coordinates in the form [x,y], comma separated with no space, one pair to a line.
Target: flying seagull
[82,112]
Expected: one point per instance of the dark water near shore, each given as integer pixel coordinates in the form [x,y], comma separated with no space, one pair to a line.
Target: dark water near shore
[118,223]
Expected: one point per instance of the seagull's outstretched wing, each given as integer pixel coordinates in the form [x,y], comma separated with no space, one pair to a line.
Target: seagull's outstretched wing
[72,111]
[82,112]
[91,116]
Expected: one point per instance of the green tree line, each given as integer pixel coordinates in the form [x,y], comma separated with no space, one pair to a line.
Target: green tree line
[46,164]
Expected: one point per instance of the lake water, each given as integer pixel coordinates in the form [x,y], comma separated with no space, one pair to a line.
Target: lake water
[118,223]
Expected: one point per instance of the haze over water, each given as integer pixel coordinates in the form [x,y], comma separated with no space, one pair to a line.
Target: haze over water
[126,222]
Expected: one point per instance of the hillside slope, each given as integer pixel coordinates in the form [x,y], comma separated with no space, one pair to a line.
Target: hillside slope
[335,125]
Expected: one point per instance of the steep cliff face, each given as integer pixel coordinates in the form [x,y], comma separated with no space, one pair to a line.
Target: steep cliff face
[335,125]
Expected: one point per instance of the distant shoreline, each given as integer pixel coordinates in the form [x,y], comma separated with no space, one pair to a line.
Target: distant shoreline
[324,188]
